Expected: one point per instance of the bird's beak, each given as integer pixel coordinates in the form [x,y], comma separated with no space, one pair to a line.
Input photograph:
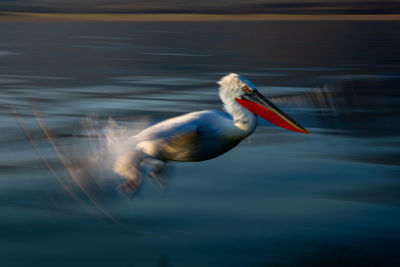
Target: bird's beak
[261,106]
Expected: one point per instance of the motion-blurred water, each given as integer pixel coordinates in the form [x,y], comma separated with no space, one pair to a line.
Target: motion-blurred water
[278,199]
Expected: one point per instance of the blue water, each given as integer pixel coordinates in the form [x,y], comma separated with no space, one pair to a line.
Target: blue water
[278,199]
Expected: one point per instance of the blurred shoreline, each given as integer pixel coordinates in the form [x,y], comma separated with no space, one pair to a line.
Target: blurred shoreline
[43,16]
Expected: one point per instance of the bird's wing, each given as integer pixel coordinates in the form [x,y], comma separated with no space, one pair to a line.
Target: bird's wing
[192,123]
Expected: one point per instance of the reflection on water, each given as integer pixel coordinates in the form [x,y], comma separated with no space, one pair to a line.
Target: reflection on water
[356,106]
[331,197]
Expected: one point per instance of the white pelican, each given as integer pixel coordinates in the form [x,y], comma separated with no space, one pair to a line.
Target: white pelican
[201,135]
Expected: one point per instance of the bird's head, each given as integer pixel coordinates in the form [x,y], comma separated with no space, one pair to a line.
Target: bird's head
[237,92]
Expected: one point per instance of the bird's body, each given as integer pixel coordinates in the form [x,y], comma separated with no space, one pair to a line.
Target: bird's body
[194,136]
[202,135]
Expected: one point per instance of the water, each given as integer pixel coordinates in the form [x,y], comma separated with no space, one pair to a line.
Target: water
[278,199]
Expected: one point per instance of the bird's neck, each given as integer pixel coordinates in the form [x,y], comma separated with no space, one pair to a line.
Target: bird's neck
[242,118]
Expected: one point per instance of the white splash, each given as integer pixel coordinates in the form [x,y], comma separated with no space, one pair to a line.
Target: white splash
[107,142]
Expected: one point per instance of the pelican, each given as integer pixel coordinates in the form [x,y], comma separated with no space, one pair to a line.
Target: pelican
[201,135]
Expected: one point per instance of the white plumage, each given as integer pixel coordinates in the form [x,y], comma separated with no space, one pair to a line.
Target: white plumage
[194,136]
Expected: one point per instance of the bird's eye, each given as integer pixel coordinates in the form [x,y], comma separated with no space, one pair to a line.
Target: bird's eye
[246,89]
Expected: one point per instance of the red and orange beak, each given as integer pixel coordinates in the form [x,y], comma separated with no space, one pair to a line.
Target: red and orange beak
[261,106]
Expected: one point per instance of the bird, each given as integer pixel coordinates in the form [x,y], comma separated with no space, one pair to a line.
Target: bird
[200,135]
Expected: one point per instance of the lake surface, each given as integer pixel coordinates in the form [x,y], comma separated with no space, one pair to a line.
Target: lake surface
[331,198]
